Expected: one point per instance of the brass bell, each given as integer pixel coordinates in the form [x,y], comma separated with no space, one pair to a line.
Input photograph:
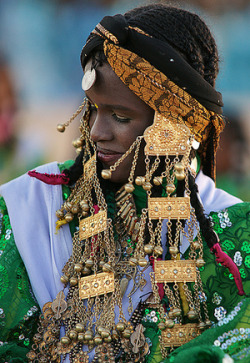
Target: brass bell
[129,188]
[139,180]
[107,267]
[170,188]
[60,127]
[157,180]
[78,267]
[142,262]
[65,340]
[148,249]
[120,326]
[169,323]
[69,217]
[192,314]
[59,214]
[147,186]
[179,167]
[73,334]
[133,261]
[64,279]
[98,339]
[173,250]
[162,325]
[180,176]
[200,262]
[89,263]
[158,250]
[73,281]
[88,335]
[106,174]
[79,327]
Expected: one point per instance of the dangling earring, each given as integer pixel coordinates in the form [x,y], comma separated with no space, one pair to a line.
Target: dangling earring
[62,127]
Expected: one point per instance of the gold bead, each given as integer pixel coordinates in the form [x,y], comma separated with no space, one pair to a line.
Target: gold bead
[120,326]
[64,279]
[126,333]
[68,206]
[169,323]
[201,325]
[79,327]
[98,339]
[89,263]
[75,209]
[104,333]
[73,281]
[171,314]
[65,340]
[78,267]
[179,176]
[162,325]
[106,174]
[179,167]
[73,334]
[142,262]
[84,205]
[133,261]
[59,214]
[108,339]
[157,180]
[192,314]
[173,250]
[68,217]
[147,186]
[84,214]
[158,250]
[86,271]
[88,335]
[129,188]
[139,180]
[200,262]
[100,329]
[196,245]
[208,323]
[177,312]
[115,335]
[80,337]
[107,267]
[170,188]
[60,127]
[77,143]
[148,249]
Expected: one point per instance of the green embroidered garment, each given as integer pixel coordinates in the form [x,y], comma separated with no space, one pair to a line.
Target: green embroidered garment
[229,311]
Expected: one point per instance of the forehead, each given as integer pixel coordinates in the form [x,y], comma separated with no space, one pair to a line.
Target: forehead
[108,88]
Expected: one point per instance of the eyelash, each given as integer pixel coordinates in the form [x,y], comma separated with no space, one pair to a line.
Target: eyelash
[114,115]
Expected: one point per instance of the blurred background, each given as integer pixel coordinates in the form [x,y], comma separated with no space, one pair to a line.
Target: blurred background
[40,79]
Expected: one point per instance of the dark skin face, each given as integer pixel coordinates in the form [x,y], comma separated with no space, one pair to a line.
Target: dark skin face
[118,117]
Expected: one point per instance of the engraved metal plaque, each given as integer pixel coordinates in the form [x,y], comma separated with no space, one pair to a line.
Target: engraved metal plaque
[166,138]
[179,335]
[175,271]
[93,225]
[95,285]
[169,208]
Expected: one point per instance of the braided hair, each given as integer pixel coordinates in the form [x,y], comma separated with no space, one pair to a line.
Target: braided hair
[190,36]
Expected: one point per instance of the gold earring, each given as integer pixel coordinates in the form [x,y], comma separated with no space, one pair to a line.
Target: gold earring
[62,127]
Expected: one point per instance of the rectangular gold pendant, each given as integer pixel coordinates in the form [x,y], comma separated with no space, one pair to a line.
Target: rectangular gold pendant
[93,225]
[169,208]
[95,285]
[175,271]
[179,335]
[90,167]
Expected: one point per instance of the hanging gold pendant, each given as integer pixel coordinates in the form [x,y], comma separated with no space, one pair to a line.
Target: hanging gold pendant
[166,137]
[175,271]
[91,286]
[169,208]
[90,167]
[179,335]
[93,225]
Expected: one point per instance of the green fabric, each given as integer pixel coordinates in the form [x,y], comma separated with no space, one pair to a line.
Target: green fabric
[18,308]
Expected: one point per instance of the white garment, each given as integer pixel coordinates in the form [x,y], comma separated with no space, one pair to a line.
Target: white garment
[32,205]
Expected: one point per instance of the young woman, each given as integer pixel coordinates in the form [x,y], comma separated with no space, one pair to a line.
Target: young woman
[132,253]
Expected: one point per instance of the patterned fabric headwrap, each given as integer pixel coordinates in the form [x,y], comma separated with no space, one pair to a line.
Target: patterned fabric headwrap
[160,76]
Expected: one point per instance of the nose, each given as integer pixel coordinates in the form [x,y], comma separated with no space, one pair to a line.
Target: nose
[100,128]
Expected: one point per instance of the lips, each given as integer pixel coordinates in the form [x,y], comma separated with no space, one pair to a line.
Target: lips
[108,157]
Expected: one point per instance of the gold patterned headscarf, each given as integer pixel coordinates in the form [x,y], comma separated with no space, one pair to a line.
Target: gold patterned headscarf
[156,88]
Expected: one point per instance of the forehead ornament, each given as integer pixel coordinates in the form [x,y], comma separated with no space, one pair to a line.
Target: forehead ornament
[89,77]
